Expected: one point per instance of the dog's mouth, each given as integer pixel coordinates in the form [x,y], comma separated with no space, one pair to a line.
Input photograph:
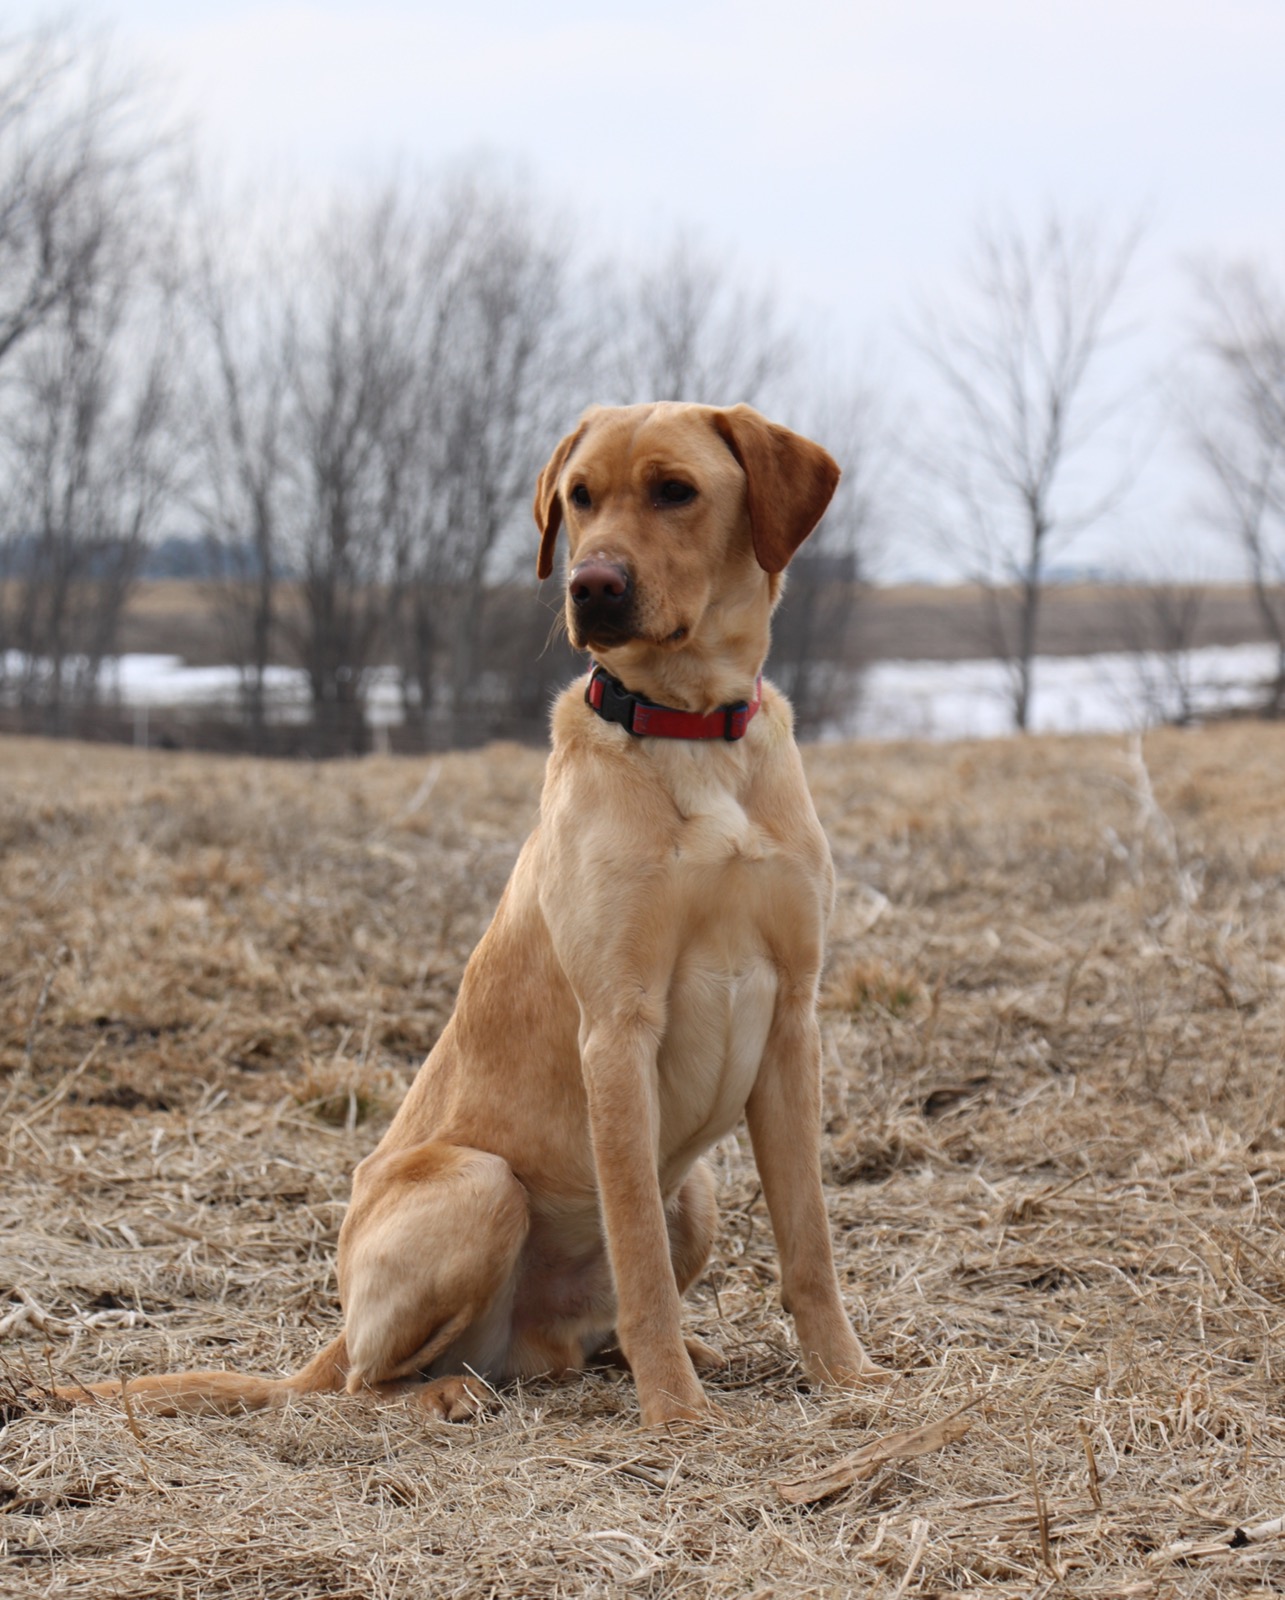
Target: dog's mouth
[615,636]
[603,634]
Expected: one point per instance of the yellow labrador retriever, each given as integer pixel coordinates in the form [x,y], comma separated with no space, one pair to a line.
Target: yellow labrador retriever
[650,974]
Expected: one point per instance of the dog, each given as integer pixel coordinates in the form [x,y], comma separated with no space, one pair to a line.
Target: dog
[649,977]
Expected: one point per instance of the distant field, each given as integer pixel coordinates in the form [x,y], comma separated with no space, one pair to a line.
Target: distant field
[948,624]
[908,621]
[1054,1022]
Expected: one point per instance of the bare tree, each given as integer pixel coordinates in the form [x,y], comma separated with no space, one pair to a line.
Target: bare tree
[1239,435]
[90,461]
[815,635]
[86,341]
[492,387]
[685,329]
[73,139]
[354,341]
[1025,417]
[369,414]
[239,398]
[1161,620]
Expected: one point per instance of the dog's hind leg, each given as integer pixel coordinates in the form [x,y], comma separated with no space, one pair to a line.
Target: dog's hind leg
[692,1218]
[427,1258]
[427,1253]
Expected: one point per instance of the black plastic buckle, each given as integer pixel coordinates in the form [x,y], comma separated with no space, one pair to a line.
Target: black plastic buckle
[613,703]
[737,720]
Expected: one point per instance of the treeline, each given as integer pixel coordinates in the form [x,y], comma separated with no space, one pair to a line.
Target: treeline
[357,401]
[350,402]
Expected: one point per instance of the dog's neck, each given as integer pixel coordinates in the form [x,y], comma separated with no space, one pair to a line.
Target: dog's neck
[718,665]
[644,718]
[680,678]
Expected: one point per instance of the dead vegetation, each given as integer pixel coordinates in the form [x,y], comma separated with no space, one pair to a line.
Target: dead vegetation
[1055,1147]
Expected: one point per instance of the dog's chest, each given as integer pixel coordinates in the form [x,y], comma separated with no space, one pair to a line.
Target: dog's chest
[716,829]
[734,893]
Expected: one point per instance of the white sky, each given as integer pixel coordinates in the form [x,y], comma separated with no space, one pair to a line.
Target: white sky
[840,153]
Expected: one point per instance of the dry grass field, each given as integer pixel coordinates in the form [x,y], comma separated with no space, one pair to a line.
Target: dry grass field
[1055,1153]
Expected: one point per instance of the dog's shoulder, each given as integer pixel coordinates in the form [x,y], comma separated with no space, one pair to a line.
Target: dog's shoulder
[597,795]
[577,732]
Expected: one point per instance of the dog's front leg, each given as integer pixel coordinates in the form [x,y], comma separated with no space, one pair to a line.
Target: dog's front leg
[618,1058]
[784,1116]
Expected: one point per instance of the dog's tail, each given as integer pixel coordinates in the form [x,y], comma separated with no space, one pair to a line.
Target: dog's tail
[173,1394]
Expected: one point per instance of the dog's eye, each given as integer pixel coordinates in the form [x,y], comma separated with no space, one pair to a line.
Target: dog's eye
[674,492]
[581,497]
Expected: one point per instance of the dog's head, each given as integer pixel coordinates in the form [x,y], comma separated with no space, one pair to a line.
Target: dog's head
[680,520]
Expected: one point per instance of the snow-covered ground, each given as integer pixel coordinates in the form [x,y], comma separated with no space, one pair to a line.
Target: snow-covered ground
[1072,694]
[897,699]
[138,681]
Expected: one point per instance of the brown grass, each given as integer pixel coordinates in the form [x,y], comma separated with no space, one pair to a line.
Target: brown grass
[1055,1145]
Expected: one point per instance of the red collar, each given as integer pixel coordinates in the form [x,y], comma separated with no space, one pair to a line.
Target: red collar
[640,716]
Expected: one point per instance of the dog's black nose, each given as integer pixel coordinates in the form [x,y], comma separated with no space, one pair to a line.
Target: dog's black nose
[599,583]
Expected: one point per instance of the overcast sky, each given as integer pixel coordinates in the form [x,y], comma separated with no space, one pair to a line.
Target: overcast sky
[839,153]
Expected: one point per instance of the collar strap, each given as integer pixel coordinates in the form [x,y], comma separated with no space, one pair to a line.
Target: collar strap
[643,717]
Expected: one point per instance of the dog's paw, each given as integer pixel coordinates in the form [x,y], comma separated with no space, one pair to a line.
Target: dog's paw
[851,1370]
[452,1399]
[676,1402]
[667,1413]
[705,1358]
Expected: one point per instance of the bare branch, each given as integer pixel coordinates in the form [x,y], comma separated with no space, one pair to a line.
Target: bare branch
[1237,432]
[688,331]
[1017,361]
[88,457]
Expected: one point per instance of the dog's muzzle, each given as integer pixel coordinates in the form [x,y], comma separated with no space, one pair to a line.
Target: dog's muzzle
[601,593]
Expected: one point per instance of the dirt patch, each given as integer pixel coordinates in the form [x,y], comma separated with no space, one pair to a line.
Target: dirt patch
[1054,1020]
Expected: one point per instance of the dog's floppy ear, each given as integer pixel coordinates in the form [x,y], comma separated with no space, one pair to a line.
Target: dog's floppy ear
[548,503]
[789,481]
